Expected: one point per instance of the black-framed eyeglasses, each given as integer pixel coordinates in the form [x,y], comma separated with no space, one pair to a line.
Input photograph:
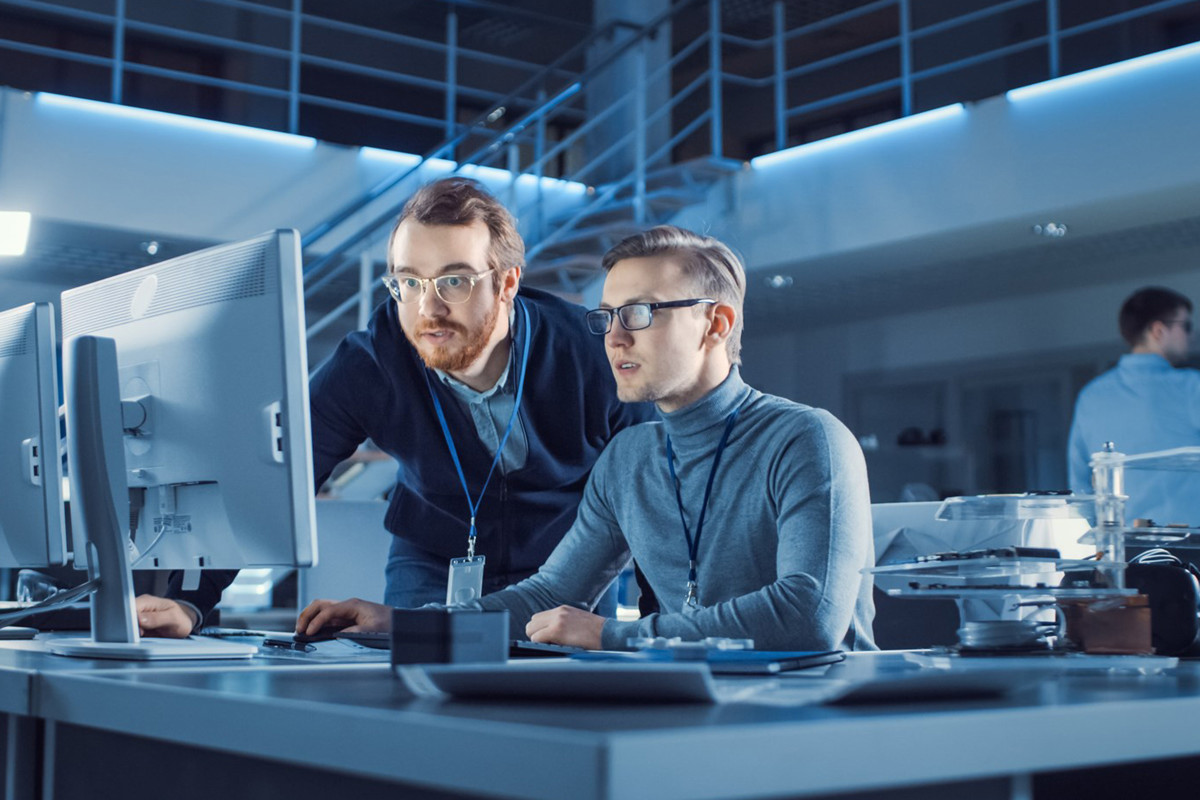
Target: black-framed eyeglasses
[454,288]
[1186,322]
[634,316]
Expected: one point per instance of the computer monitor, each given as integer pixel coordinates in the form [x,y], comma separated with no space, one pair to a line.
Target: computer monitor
[32,527]
[187,424]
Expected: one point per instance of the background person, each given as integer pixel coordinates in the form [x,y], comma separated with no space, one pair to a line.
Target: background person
[1147,402]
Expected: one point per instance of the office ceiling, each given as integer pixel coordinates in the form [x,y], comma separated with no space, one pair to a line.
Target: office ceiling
[1003,259]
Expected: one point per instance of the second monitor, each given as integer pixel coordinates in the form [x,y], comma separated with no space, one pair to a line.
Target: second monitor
[187,412]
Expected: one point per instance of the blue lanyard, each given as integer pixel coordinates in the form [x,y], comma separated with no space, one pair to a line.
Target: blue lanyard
[694,543]
[473,507]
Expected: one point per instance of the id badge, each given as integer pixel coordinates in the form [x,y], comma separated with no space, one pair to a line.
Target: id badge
[466,580]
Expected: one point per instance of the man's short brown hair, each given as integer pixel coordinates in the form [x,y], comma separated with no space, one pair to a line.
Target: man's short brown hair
[717,271]
[462,201]
[1145,307]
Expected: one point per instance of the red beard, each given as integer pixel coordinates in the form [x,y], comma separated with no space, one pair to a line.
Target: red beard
[454,358]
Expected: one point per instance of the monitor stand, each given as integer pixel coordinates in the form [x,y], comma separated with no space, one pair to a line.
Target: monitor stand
[100,498]
[152,649]
[13,632]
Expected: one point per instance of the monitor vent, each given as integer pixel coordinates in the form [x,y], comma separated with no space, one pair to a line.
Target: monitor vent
[209,276]
[14,334]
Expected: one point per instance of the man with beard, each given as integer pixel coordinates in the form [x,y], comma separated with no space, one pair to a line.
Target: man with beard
[493,399]
[748,514]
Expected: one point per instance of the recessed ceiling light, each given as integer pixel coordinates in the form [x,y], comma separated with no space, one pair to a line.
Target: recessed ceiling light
[1051,230]
[779,281]
[151,247]
[14,232]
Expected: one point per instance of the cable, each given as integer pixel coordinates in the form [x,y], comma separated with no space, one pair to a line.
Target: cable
[149,548]
[61,599]
[1156,555]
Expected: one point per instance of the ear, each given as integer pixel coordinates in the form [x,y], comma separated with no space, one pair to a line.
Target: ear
[1155,331]
[720,325]
[510,281]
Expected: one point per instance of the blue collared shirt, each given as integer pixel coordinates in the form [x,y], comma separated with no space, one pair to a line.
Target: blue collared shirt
[1141,405]
[491,410]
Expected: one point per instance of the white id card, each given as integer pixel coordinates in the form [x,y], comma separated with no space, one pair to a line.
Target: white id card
[466,580]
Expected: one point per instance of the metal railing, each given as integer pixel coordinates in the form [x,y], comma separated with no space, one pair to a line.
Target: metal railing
[689,117]
[118,25]
[763,93]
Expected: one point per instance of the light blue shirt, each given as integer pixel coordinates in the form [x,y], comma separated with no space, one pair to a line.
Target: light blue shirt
[1141,405]
[491,411]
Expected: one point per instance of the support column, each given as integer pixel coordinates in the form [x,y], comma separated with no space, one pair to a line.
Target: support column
[616,85]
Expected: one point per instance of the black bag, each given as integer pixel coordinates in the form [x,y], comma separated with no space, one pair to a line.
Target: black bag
[1174,593]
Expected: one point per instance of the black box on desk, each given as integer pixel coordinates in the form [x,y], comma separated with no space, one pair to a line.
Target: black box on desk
[448,636]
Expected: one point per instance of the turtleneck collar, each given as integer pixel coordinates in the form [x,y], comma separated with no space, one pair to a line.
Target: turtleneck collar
[702,420]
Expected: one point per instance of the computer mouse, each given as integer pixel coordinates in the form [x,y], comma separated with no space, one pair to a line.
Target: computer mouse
[323,635]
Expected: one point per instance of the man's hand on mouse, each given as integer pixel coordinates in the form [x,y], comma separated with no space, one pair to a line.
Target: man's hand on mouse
[158,616]
[349,615]
[566,625]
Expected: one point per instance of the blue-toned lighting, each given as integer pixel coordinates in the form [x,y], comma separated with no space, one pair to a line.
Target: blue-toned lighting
[390,156]
[557,184]
[490,175]
[1102,73]
[854,137]
[14,232]
[176,120]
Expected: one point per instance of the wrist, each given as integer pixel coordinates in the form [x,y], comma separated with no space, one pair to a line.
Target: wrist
[193,614]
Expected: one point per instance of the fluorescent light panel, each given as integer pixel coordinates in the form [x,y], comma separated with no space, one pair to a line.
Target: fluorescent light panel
[14,232]
[175,120]
[487,174]
[861,135]
[1103,73]
[390,156]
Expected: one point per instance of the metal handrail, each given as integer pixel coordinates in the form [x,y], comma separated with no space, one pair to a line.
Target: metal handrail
[448,146]
[283,54]
[370,228]
[595,120]
[479,157]
[613,189]
[550,92]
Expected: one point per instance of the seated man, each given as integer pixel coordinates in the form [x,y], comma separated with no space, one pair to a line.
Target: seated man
[748,514]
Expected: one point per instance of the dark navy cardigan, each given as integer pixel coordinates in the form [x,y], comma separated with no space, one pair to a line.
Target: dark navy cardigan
[373,387]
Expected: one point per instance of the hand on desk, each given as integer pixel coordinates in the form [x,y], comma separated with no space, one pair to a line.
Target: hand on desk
[566,625]
[350,615]
[158,616]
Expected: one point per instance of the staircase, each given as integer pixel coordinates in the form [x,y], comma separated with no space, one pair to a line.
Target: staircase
[568,258]
[345,255]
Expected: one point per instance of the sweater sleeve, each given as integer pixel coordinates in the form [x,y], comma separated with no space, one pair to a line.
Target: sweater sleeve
[336,391]
[579,569]
[817,484]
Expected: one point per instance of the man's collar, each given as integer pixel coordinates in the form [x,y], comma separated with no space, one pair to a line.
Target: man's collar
[501,385]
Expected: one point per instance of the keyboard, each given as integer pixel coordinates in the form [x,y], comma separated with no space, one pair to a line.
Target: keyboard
[519,648]
[377,640]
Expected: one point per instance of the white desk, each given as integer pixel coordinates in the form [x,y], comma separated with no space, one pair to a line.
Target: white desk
[354,729]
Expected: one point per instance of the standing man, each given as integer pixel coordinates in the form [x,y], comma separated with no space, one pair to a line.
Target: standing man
[1145,403]
[494,400]
[748,514]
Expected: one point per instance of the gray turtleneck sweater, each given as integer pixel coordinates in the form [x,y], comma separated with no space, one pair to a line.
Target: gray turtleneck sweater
[787,530]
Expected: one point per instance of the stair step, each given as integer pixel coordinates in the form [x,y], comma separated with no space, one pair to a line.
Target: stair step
[595,239]
[660,205]
[701,172]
